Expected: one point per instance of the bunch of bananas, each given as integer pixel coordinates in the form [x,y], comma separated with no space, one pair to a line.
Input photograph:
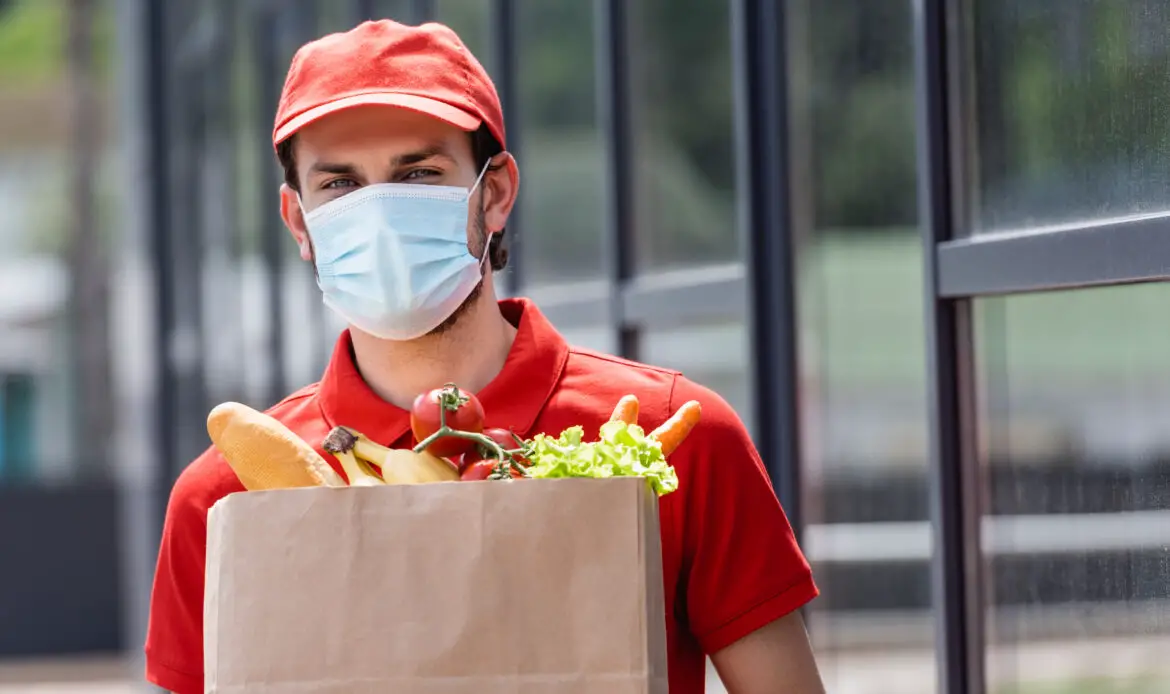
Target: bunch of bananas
[265,454]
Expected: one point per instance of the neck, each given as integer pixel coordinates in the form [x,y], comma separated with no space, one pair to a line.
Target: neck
[469,354]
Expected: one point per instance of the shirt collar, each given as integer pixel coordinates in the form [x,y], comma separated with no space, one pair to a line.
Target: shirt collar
[512,400]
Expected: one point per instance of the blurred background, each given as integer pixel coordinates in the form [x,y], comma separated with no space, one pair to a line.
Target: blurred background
[145,276]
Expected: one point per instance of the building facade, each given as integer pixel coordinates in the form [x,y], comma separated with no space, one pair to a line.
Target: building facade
[917,245]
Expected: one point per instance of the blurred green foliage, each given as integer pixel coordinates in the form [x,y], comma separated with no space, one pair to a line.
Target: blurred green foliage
[32,42]
[1068,110]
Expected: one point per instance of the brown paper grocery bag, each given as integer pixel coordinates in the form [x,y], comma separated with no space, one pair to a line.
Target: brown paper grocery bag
[550,586]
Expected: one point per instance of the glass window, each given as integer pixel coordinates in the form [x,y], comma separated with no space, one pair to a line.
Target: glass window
[405,11]
[1075,390]
[1070,110]
[600,338]
[333,16]
[714,355]
[684,153]
[562,184]
[56,279]
[472,20]
[864,439]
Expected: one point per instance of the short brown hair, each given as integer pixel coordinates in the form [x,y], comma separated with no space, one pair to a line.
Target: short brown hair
[484,146]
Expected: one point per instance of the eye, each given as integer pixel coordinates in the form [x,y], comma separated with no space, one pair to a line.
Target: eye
[338,184]
[421,174]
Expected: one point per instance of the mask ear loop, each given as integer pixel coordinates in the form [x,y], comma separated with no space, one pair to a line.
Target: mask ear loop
[479,178]
[487,241]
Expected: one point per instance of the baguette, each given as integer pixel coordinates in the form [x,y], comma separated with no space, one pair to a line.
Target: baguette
[264,453]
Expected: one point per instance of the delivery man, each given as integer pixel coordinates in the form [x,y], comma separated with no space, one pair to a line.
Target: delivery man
[398,186]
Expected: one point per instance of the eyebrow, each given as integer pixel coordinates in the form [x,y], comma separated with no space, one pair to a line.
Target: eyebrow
[429,152]
[433,151]
[330,168]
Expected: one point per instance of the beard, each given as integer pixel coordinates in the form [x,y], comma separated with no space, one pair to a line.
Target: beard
[450,321]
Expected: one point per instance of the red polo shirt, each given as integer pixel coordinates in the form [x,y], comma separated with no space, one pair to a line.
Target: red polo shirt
[731,564]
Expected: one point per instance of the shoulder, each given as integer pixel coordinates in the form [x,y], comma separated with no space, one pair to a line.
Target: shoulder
[209,478]
[594,381]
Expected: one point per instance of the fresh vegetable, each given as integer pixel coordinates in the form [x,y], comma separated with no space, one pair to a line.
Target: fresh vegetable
[672,432]
[264,453]
[507,440]
[626,410]
[622,450]
[438,417]
[478,470]
[488,469]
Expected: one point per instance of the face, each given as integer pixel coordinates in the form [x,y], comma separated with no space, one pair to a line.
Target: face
[362,146]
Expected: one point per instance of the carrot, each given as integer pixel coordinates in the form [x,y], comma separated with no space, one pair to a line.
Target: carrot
[626,410]
[672,432]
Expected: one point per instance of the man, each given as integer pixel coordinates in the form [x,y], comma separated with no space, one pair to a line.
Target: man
[398,188]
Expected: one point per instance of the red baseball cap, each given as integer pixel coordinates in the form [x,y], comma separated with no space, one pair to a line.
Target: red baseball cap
[424,68]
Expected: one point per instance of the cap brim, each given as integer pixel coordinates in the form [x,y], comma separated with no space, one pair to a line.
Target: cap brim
[443,111]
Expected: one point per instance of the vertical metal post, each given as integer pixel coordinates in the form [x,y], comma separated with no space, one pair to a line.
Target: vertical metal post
[954,501]
[765,219]
[142,492]
[362,10]
[300,24]
[184,348]
[614,116]
[157,152]
[422,11]
[504,34]
[223,334]
[272,237]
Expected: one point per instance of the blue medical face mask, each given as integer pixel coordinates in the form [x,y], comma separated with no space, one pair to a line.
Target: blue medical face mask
[392,258]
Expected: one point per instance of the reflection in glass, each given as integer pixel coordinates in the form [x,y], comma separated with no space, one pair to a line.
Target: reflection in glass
[562,196]
[1071,111]
[1075,413]
[681,106]
[713,355]
[863,403]
[471,19]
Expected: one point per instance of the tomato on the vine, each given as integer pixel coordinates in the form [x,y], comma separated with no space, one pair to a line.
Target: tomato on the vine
[460,410]
[482,469]
[503,437]
[478,470]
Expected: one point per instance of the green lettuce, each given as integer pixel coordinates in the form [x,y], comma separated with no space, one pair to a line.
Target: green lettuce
[623,450]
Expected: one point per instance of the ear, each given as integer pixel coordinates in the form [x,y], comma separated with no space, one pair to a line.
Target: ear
[294,221]
[500,188]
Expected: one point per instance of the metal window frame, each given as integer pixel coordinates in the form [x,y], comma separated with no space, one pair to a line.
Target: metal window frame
[961,266]
[956,563]
[763,157]
[504,35]
[1108,252]
[764,287]
[265,47]
[612,56]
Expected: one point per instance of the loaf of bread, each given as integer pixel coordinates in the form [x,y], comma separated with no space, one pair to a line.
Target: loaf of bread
[264,453]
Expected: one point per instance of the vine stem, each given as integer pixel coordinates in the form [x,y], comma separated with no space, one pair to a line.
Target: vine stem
[485,441]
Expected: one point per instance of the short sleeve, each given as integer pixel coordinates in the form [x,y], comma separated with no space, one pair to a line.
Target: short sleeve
[741,564]
[174,635]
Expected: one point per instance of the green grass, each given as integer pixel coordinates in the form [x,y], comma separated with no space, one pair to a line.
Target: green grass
[1148,684]
[863,295]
